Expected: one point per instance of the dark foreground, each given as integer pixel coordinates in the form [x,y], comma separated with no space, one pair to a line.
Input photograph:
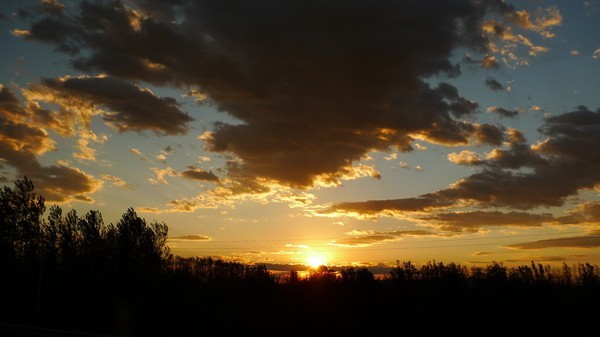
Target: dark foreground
[232,300]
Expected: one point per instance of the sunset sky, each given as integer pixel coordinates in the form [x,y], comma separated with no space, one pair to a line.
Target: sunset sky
[325,132]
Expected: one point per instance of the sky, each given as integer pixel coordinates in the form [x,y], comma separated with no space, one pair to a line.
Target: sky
[311,132]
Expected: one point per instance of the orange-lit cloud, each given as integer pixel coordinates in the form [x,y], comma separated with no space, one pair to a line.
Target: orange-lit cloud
[85,137]
[369,238]
[139,154]
[160,175]
[195,173]
[465,157]
[122,105]
[191,237]
[591,240]
[21,143]
[116,181]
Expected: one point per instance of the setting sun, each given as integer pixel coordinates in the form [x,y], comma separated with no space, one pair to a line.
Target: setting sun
[316,260]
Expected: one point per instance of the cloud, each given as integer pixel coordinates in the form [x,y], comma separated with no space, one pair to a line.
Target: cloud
[503,112]
[161,174]
[83,141]
[587,211]
[116,181]
[122,105]
[511,43]
[493,84]
[499,188]
[139,154]
[566,162]
[52,7]
[10,106]
[419,204]
[475,220]
[192,237]
[62,184]
[546,19]
[517,175]
[573,136]
[21,143]
[369,238]
[590,241]
[313,91]
[465,157]
[195,173]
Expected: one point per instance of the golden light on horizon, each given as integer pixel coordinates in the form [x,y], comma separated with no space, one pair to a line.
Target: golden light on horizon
[315,260]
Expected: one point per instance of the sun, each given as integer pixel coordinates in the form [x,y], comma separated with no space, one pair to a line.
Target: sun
[315,260]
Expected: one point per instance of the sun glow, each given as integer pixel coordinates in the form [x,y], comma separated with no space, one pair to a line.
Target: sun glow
[316,260]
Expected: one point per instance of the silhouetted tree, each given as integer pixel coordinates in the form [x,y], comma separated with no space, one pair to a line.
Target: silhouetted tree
[587,275]
[21,212]
[322,274]
[496,273]
[140,246]
[293,277]
[404,272]
[358,276]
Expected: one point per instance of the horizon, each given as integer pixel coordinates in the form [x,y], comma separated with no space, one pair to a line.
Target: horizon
[346,134]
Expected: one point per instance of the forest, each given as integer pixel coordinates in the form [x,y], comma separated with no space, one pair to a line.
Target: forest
[71,274]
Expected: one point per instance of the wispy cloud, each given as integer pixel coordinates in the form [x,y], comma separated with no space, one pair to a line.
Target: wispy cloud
[190,237]
[369,238]
[589,241]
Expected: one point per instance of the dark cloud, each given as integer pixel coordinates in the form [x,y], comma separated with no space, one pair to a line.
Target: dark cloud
[503,112]
[163,10]
[522,176]
[316,85]
[515,155]
[505,188]
[590,241]
[489,61]
[10,106]
[566,162]
[489,134]
[127,106]
[493,84]
[574,136]
[198,174]
[52,7]
[20,143]
[588,210]
[475,220]
[394,205]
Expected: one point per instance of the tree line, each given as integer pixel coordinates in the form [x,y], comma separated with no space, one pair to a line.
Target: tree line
[70,242]
[67,270]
